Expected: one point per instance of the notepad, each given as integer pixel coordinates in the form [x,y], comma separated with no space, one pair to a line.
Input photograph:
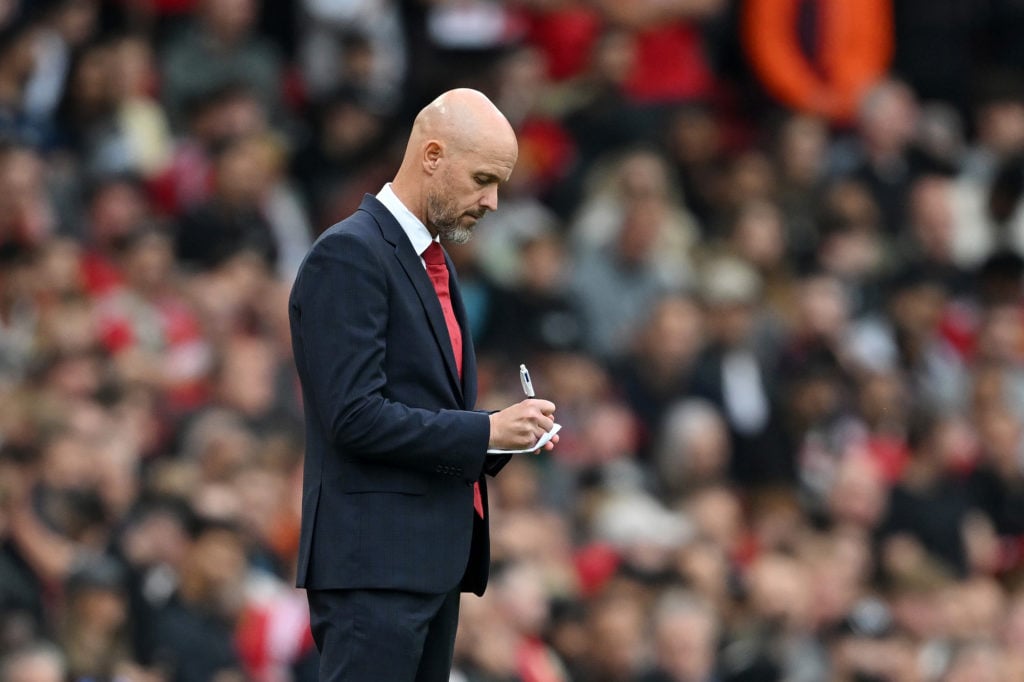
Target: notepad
[540,443]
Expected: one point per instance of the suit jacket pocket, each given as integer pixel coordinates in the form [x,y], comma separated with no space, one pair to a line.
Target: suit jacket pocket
[383,480]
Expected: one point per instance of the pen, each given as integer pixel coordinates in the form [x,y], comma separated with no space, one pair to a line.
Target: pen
[524,379]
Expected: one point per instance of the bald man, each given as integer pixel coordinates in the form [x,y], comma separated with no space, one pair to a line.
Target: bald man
[394,505]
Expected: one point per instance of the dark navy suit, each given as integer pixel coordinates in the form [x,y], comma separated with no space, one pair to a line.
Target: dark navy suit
[393,445]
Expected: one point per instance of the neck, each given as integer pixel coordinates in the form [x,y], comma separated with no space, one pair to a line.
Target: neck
[412,197]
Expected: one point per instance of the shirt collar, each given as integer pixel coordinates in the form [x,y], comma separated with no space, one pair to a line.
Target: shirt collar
[417,232]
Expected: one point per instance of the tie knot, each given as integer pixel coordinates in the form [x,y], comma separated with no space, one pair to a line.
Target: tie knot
[434,255]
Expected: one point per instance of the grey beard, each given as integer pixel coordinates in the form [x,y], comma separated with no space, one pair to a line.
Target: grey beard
[455,234]
[446,222]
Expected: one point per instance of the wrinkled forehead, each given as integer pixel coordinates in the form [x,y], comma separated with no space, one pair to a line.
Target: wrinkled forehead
[488,154]
[493,137]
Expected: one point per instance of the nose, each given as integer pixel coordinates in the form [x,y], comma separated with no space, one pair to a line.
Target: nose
[490,198]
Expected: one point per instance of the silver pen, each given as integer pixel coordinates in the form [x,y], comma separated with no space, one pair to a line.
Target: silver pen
[524,379]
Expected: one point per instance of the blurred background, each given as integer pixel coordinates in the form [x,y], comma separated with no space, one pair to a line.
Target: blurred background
[765,256]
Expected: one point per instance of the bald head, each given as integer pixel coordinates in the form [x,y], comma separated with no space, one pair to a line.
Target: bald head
[460,149]
[464,118]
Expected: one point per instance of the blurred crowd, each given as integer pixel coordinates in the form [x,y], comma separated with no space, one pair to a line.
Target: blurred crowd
[764,255]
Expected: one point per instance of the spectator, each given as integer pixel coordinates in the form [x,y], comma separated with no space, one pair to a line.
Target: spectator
[214,119]
[18,313]
[194,638]
[801,146]
[686,636]
[116,207]
[535,314]
[618,638]
[635,179]
[598,115]
[852,243]
[757,236]
[521,600]
[96,630]
[620,268]
[65,26]
[221,48]
[992,484]
[777,596]
[143,124]
[735,373]
[933,227]
[19,38]
[927,511]
[694,449]
[857,495]
[634,239]
[87,111]
[280,202]
[348,130]
[669,62]
[231,221]
[696,145]
[151,332]
[546,148]
[357,45]
[658,368]
[885,159]
[910,338]
[27,214]
[999,117]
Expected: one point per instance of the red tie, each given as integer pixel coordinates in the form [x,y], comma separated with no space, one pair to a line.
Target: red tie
[437,269]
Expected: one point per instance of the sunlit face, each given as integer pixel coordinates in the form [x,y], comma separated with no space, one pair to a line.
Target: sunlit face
[465,188]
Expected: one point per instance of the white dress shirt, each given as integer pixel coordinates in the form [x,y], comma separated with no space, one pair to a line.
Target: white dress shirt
[417,232]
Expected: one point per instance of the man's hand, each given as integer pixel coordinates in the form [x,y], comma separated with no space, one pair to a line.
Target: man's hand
[521,425]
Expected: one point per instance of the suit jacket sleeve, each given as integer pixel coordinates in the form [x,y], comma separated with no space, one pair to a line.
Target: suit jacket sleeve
[342,308]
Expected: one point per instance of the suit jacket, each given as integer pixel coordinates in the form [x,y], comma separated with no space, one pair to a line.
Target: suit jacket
[763,457]
[393,445]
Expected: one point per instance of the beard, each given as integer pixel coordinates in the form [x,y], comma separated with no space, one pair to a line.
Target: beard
[444,217]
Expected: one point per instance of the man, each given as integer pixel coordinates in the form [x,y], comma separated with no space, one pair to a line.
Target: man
[394,508]
[686,632]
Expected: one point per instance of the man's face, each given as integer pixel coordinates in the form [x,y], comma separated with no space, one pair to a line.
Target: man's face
[465,188]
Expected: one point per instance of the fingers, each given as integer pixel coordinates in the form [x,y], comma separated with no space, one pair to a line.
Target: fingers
[534,428]
[539,423]
[550,445]
[538,415]
[540,412]
[523,424]
[545,406]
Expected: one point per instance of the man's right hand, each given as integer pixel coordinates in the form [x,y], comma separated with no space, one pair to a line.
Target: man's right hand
[521,425]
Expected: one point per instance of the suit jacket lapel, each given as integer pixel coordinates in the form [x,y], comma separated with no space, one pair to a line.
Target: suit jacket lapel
[417,274]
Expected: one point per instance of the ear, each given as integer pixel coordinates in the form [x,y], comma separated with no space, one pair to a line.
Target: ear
[433,151]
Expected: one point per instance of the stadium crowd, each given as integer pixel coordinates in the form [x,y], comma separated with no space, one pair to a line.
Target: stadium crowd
[764,255]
